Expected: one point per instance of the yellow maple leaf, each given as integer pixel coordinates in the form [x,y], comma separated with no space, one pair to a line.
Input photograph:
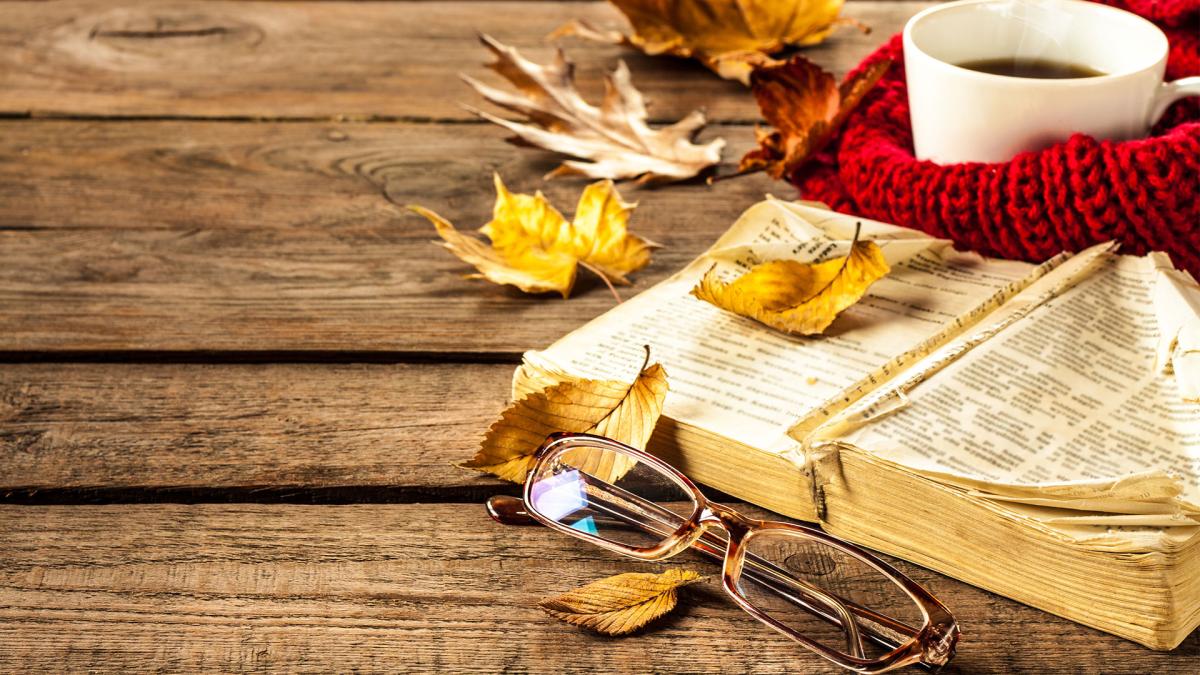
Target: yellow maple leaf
[730,38]
[534,248]
[620,604]
[601,234]
[622,411]
[795,297]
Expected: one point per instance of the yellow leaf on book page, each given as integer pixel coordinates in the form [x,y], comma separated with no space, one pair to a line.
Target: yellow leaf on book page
[795,297]
[534,248]
[620,604]
[625,412]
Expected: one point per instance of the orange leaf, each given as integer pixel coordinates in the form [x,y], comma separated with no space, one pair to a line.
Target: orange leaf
[806,107]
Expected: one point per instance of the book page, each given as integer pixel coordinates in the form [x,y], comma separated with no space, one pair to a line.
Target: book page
[744,381]
[1072,405]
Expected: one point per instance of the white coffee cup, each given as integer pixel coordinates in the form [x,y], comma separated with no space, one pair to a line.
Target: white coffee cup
[961,115]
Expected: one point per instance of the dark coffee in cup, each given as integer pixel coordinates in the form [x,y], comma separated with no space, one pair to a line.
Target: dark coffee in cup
[1042,69]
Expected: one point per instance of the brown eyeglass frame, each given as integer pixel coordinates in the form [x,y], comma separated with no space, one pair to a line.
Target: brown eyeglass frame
[932,645]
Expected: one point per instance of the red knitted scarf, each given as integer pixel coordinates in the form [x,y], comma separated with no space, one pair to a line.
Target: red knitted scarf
[1143,193]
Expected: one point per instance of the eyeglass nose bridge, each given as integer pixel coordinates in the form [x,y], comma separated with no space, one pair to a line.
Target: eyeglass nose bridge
[735,524]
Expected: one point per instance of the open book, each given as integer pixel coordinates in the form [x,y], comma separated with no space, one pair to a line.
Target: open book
[1031,429]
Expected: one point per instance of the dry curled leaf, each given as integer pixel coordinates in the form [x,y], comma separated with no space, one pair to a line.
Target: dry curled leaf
[622,411]
[730,38]
[806,106]
[794,297]
[534,248]
[614,138]
[620,604]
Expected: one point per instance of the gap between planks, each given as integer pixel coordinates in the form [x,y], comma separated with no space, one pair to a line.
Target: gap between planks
[268,433]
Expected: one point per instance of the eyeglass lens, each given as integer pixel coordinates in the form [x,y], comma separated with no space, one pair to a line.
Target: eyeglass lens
[610,495]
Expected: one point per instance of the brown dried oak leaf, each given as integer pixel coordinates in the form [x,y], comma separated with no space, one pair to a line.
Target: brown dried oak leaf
[620,604]
[614,138]
[806,106]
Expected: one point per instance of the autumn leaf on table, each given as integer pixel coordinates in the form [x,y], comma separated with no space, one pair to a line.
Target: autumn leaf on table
[729,38]
[795,297]
[806,106]
[622,411]
[534,248]
[620,604]
[614,138]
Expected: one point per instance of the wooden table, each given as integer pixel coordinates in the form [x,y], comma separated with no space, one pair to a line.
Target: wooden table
[235,372]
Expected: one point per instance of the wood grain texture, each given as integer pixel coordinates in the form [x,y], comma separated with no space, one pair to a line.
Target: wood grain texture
[410,587]
[186,236]
[277,426]
[388,60]
[287,236]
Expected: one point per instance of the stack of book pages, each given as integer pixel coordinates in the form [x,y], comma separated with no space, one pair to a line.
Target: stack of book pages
[1030,429]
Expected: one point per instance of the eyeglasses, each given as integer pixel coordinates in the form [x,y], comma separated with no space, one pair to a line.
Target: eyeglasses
[830,596]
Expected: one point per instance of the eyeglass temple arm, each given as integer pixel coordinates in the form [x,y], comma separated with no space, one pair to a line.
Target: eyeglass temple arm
[508,510]
[881,629]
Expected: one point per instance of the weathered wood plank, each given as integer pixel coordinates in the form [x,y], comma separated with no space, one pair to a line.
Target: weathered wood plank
[279,426]
[329,59]
[246,237]
[414,588]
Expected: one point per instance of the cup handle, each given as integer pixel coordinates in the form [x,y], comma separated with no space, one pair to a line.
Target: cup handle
[1172,91]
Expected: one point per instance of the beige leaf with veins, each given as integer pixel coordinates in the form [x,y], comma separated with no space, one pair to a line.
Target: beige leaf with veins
[610,141]
[622,411]
[620,604]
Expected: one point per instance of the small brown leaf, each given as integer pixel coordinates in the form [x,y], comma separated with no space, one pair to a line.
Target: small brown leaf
[614,138]
[806,107]
[794,297]
[620,604]
[625,412]
[727,37]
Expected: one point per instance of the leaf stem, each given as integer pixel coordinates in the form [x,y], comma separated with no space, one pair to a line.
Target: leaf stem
[719,177]
[845,261]
[604,277]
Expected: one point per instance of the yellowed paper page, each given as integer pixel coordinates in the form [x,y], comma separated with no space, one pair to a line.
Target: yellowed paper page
[1107,532]
[1064,403]
[739,379]
[1177,305]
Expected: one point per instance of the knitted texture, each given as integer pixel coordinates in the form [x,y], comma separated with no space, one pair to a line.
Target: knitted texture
[1143,193]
